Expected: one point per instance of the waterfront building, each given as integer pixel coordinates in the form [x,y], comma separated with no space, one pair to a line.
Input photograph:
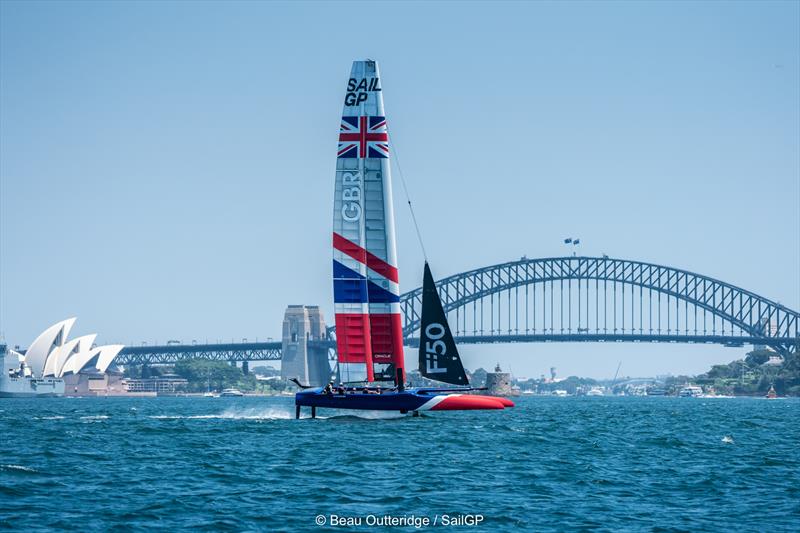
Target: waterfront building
[39,370]
[168,384]
[498,383]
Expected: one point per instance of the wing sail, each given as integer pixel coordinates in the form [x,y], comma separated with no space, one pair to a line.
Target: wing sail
[369,333]
[438,354]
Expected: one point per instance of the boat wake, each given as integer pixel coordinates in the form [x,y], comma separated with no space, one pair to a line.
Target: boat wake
[234,414]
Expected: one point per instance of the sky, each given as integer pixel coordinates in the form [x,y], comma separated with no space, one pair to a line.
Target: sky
[166,169]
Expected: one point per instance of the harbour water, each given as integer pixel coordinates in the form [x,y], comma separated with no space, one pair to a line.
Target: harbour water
[550,464]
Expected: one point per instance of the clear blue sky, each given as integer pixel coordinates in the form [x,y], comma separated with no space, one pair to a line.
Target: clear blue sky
[166,169]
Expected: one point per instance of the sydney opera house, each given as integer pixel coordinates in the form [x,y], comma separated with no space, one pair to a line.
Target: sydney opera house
[53,364]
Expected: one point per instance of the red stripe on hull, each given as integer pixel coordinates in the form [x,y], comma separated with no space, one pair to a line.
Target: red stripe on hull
[505,401]
[365,258]
[467,402]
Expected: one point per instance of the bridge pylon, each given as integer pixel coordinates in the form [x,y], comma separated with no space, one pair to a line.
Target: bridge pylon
[303,324]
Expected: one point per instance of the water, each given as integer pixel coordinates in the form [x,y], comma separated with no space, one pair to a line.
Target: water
[550,464]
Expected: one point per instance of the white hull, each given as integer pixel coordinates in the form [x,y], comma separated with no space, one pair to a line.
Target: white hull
[30,388]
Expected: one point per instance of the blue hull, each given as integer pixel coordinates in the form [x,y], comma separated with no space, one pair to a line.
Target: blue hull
[408,400]
[402,401]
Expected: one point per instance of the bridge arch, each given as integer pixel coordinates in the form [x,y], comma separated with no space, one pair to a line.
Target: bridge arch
[737,316]
[748,317]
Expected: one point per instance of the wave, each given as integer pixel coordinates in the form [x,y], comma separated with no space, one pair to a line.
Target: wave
[57,417]
[19,468]
[95,417]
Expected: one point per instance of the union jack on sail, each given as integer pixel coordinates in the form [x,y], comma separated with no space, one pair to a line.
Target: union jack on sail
[361,137]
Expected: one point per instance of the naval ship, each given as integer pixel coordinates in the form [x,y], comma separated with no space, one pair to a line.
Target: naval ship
[17,380]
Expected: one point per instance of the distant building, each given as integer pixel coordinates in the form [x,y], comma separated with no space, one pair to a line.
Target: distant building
[51,360]
[95,384]
[169,384]
[498,383]
[774,360]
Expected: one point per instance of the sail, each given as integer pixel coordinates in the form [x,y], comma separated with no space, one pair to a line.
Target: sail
[369,337]
[438,355]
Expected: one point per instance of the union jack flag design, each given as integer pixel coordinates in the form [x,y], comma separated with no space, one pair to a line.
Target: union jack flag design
[361,137]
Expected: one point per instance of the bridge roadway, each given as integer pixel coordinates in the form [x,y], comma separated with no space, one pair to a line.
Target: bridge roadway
[172,353]
[272,351]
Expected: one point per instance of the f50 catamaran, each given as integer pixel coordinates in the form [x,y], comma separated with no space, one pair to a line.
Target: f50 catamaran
[369,332]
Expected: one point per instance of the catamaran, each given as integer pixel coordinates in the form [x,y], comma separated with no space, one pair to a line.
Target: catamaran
[369,332]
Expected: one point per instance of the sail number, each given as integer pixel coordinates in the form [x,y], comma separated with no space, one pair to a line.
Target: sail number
[434,332]
[351,196]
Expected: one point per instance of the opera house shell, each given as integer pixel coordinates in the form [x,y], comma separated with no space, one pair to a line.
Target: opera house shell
[52,359]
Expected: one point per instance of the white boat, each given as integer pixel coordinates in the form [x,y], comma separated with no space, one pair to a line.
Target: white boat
[559,392]
[210,395]
[595,391]
[228,393]
[28,387]
[17,381]
[691,391]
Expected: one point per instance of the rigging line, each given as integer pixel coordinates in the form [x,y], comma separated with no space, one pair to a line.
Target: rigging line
[396,159]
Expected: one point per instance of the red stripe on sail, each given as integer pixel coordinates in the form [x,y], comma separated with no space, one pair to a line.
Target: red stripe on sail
[353,340]
[365,258]
[386,333]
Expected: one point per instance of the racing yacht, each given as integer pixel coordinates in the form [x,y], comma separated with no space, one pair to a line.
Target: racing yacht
[369,332]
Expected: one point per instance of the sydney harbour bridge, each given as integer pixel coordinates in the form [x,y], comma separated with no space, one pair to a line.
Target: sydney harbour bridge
[558,299]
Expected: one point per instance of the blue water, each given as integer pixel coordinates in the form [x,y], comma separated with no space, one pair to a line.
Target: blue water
[550,464]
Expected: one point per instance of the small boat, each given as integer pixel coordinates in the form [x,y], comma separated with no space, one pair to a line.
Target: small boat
[595,391]
[690,391]
[560,393]
[210,395]
[771,394]
[230,393]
